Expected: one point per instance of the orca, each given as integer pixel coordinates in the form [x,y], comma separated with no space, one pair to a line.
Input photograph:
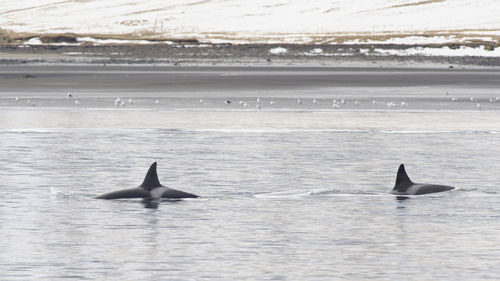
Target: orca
[149,189]
[404,186]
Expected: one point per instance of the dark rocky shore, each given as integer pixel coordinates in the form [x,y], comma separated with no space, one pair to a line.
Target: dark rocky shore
[182,53]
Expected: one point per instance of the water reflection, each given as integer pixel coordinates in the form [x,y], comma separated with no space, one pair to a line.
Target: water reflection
[155,203]
[150,204]
[402,198]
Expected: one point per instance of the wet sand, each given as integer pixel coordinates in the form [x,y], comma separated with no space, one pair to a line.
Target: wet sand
[249,98]
[92,80]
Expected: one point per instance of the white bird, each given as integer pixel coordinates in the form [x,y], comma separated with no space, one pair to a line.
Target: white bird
[478,105]
[131,100]
[77,102]
[157,102]
[492,100]
[343,102]
[472,99]
[335,105]
[391,104]
[258,100]
[201,100]
[272,102]
[356,102]
[227,101]
[315,101]
[69,95]
[241,102]
[17,99]
[118,102]
[374,101]
[404,104]
[454,99]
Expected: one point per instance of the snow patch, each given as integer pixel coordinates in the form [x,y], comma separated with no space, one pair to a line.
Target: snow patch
[444,51]
[117,41]
[278,51]
[315,52]
[34,41]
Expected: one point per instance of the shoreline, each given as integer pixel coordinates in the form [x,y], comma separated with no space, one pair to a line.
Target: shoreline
[201,54]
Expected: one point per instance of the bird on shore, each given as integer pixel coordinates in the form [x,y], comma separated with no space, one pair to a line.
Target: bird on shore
[391,104]
[119,102]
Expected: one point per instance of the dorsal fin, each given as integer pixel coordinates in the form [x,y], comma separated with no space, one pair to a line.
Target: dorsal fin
[151,180]
[402,178]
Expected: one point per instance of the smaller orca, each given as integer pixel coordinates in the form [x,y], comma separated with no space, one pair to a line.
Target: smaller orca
[149,189]
[404,186]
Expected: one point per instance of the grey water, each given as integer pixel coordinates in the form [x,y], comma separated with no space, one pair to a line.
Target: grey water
[288,192]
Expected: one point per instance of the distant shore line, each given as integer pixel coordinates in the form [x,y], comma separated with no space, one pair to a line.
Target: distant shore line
[196,53]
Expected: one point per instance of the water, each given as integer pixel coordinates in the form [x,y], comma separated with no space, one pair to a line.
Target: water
[291,192]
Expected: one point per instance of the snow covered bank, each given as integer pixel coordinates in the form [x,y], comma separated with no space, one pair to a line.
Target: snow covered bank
[260,21]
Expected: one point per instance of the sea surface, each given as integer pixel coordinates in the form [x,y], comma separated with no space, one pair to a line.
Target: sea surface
[292,187]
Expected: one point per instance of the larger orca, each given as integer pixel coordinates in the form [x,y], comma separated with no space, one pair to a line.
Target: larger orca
[149,189]
[404,186]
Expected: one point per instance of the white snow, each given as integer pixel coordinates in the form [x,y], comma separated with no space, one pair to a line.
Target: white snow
[444,51]
[315,52]
[269,21]
[34,41]
[95,41]
[116,41]
[406,40]
[278,51]
[413,40]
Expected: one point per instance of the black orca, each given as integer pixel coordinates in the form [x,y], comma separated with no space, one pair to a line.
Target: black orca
[149,189]
[404,186]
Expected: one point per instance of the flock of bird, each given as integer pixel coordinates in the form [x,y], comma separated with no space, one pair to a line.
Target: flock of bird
[335,103]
